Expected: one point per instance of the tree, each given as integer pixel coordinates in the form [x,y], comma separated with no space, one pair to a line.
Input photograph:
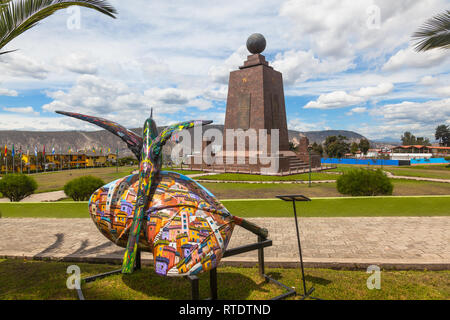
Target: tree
[18,16]
[292,146]
[364,146]
[408,139]
[336,147]
[317,148]
[443,135]
[423,141]
[81,189]
[354,148]
[17,187]
[434,33]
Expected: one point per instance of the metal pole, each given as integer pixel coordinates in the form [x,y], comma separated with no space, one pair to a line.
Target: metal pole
[309,151]
[299,246]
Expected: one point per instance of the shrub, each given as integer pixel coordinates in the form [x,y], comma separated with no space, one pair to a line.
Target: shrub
[80,189]
[17,187]
[364,182]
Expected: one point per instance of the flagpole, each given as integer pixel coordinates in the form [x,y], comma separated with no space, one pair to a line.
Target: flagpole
[13,153]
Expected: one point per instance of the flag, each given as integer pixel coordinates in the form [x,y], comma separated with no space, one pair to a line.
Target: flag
[53,150]
[35,151]
[93,149]
[43,152]
[109,150]
[13,151]
[6,151]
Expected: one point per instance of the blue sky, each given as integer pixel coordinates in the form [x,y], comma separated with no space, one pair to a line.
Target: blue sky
[346,64]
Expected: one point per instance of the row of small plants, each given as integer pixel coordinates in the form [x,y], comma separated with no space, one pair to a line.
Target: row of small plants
[355,182]
[17,187]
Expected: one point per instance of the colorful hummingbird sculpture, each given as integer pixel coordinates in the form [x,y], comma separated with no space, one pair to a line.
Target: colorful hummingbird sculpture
[183,224]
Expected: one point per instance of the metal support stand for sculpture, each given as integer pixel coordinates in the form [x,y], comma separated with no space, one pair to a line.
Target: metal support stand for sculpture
[260,245]
[293,198]
[107,274]
[194,280]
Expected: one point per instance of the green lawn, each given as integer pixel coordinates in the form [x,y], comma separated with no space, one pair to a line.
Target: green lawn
[254,177]
[39,280]
[344,207]
[55,180]
[270,190]
[425,171]
[422,173]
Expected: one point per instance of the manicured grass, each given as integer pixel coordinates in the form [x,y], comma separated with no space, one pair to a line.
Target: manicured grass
[254,177]
[53,181]
[39,280]
[422,173]
[347,207]
[344,207]
[426,171]
[45,210]
[184,172]
[243,191]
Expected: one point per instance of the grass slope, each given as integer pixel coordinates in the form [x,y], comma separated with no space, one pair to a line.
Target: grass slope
[345,207]
[38,280]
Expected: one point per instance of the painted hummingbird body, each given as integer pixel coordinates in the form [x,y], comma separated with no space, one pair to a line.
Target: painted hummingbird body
[183,224]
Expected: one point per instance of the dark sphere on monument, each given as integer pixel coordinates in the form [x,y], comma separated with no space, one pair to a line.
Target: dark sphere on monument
[256,43]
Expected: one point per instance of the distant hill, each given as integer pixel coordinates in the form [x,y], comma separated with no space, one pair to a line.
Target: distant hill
[103,139]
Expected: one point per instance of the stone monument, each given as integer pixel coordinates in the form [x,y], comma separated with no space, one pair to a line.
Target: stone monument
[256,102]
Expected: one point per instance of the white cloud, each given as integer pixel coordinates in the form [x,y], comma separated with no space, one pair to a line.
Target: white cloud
[443,91]
[341,99]
[381,89]
[408,58]
[336,99]
[79,63]
[299,66]
[429,112]
[20,110]
[117,101]
[356,110]
[220,73]
[7,92]
[428,80]
[17,65]
[303,125]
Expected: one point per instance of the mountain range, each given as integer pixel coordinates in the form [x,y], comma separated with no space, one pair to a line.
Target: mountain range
[102,139]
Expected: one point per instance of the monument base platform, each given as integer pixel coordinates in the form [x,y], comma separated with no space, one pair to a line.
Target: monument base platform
[287,163]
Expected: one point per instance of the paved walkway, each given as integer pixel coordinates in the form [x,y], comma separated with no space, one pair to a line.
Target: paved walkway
[42,197]
[390,242]
[390,175]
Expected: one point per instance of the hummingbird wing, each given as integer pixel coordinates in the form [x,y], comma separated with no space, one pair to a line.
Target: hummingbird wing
[133,141]
[165,134]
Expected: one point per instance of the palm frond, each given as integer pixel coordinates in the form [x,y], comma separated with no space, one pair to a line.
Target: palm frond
[434,33]
[18,16]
